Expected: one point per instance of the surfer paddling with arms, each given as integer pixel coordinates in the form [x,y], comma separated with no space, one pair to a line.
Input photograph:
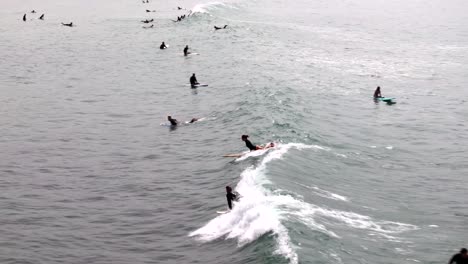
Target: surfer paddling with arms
[253,147]
[459,258]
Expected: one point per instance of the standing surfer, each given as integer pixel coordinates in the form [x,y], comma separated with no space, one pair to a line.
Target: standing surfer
[186,50]
[230,196]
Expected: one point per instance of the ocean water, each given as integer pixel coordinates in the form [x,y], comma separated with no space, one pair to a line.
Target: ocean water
[91,173]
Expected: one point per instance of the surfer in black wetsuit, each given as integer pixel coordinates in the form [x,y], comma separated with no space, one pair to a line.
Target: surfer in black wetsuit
[41,17]
[193,120]
[216,28]
[163,46]
[377,93]
[186,50]
[460,258]
[68,25]
[193,81]
[172,120]
[253,147]
[24,17]
[230,196]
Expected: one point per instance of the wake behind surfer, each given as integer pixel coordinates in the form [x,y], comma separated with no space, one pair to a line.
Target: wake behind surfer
[253,147]
[377,93]
[193,81]
[460,258]
[230,196]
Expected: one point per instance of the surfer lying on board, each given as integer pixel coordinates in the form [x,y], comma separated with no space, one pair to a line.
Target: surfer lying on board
[253,147]
[230,196]
[377,93]
[217,28]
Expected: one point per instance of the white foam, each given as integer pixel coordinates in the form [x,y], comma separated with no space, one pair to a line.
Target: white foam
[261,212]
[258,212]
[324,193]
[205,7]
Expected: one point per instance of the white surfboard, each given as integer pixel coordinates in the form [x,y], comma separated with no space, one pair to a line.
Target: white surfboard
[223,212]
[199,85]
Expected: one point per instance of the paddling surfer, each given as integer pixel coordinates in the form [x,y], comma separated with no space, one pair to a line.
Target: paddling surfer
[253,147]
[68,25]
[216,28]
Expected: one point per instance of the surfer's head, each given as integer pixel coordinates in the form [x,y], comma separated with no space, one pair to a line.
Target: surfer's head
[169,117]
[228,189]
[463,250]
[244,137]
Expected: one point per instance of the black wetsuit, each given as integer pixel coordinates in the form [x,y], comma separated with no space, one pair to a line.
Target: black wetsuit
[250,145]
[459,259]
[173,121]
[163,46]
[185,51]
[193,81]
[230,197]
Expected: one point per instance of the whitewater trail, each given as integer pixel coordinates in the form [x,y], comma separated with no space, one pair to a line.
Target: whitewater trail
[262,211]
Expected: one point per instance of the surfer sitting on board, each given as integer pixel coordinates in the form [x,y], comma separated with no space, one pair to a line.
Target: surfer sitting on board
[173,121]
[230,196]
[459,258]
[253,147]
[377,93]
[163,46]
[193,81]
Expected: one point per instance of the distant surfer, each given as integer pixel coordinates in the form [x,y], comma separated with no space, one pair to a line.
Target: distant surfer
[152,25]
[24,17]
[253,147]
[179,8]
[173,121]
[460,258]
[186,50]
[147,21]
[193,120]
[163,46]
[216,28]
[193,81]
[68,25]
[41,17]
[34,11]
[231,197]
[377,93]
